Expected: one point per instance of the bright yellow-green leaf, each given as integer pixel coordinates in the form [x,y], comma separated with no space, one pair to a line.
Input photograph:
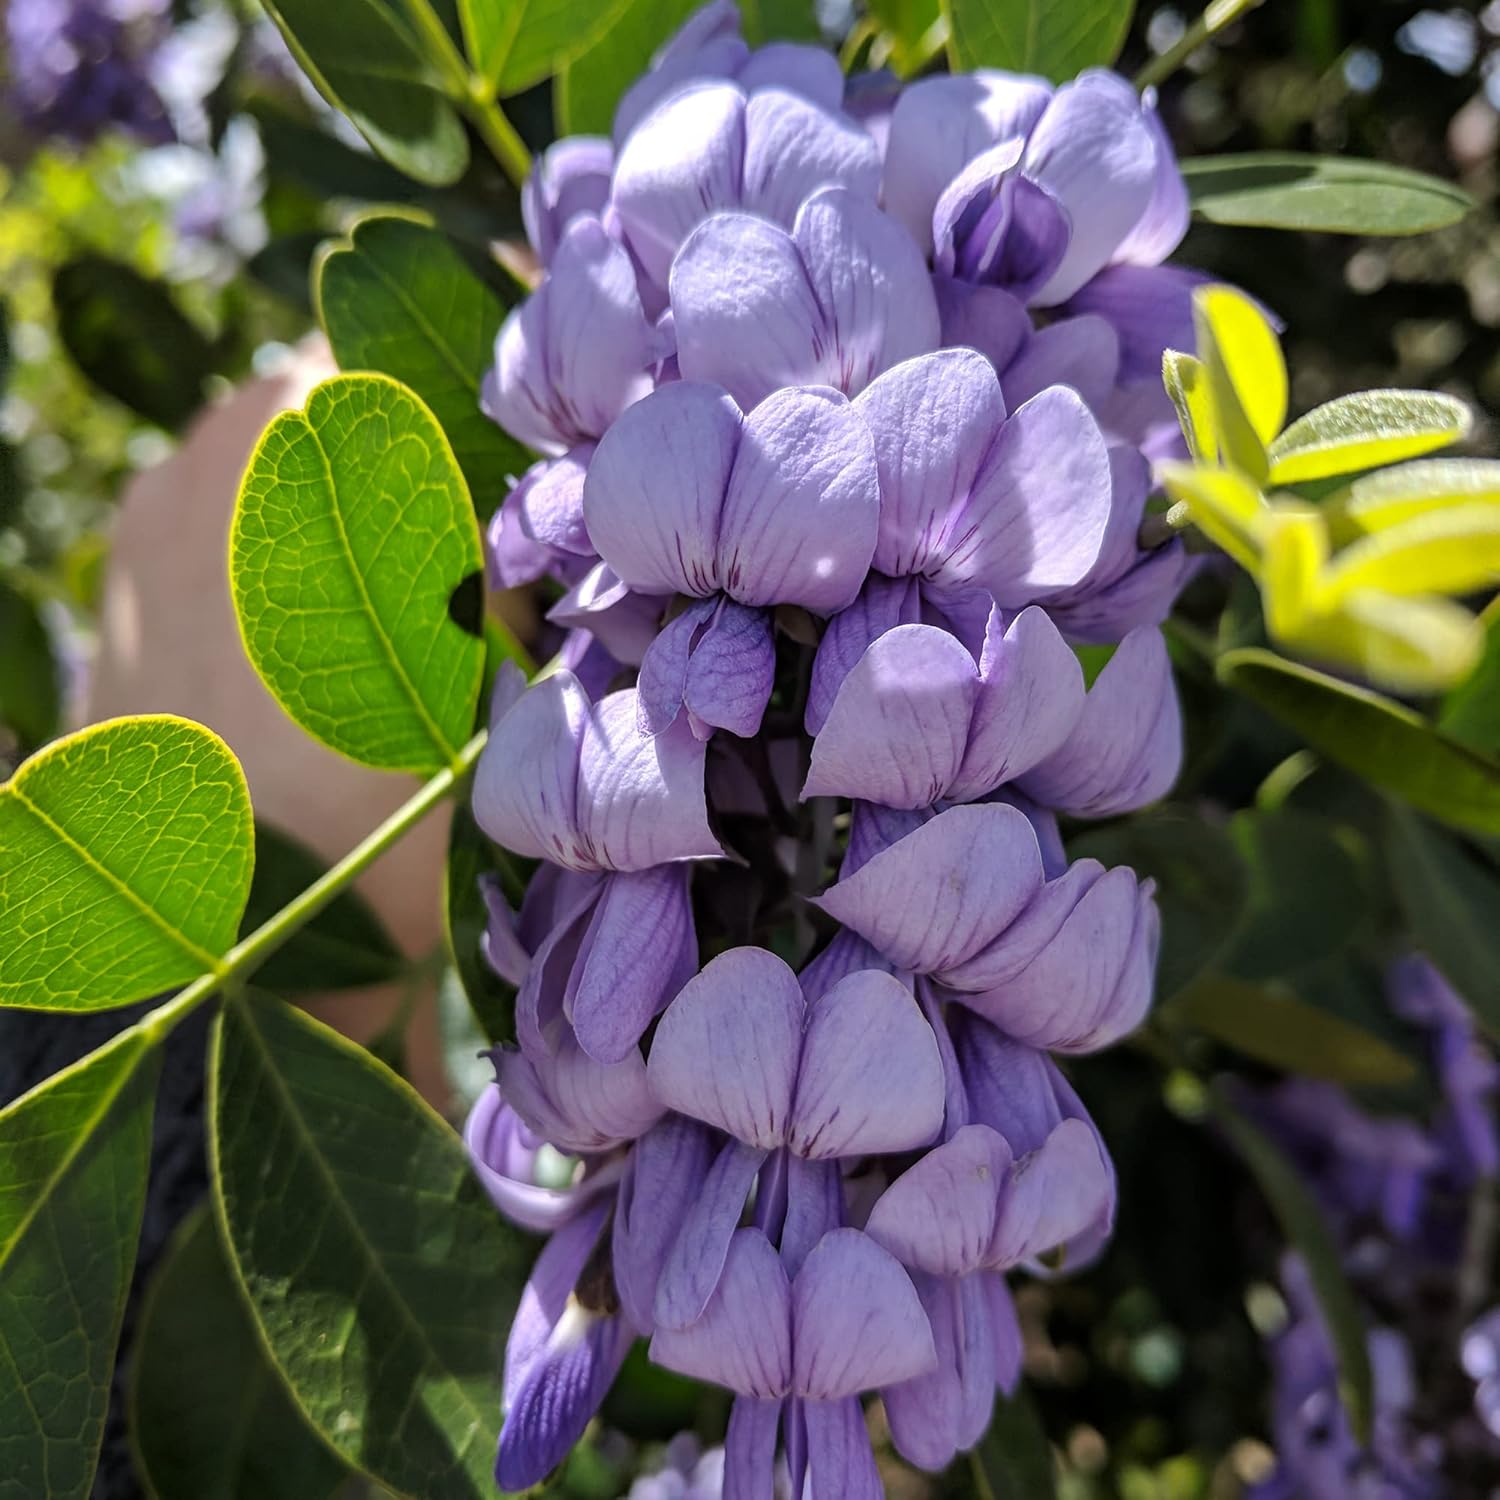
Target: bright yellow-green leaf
[125,859]
[1412,646]
[1390,496]
[1187,384]
[1364,431]
[1246,375]
[1453,551]
[1224,505]
[1295,552]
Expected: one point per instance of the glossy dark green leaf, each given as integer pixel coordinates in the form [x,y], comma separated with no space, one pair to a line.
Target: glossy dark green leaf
[1307,1231]
[385,1299]
[129,337]
[322,163]
[30,689]
[365,60]
[1200,878]
[471,859]
[1274,1024]
[1308,892]
[588,88]
[1013,1460]
[352,532]
[345,946]
[396,297]
[516,43]
[209,1416]
[1054,39]
[1335,194]
[1451,897]
[1375,737]
[1471,712]
[125,855]
[74,1154]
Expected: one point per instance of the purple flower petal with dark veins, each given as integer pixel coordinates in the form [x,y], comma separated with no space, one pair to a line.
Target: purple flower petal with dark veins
[560,1360]
[839,299]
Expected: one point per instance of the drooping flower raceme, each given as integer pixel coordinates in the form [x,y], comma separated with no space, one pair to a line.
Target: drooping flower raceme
[804,935]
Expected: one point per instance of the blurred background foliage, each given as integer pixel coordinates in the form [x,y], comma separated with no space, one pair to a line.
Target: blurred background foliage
[146,269]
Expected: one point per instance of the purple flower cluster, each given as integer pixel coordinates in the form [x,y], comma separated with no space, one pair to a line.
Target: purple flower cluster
[847,417]
[76,68]
[1399,1196]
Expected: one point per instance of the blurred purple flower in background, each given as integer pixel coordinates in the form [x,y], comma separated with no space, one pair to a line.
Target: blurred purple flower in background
[76,68]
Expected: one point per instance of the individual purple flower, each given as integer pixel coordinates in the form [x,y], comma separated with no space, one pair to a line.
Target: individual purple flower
[712,147]
[1016,186]
[572,177]
[539,530]
[836,301]
[579,784]
[1066,964]
[709,45]
[578,350]
[797,1350]
[737,512]
[917,721]
[855,1073]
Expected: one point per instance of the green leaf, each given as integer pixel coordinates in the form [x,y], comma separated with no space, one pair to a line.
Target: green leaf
[398,298]
[209,1415]
[1366,430]
[589,88]
[1274,1024]
[1303,1224]
[1013,1460]
[1036,36]
[74,1154]
[516,43]
[1334,194]
[352,532]
[385,1300]
[128,336]
[907,26]
[125,855]
[1373,736]
[471,856]
[345,946]
[1200,879]
[779,21]
[30,693]
[1451,897]
[1308,892]
[1471,712]
[365,60]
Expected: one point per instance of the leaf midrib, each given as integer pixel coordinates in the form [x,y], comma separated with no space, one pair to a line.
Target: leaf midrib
[210,961]
[449,355]
[432,1359]
[429,724]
